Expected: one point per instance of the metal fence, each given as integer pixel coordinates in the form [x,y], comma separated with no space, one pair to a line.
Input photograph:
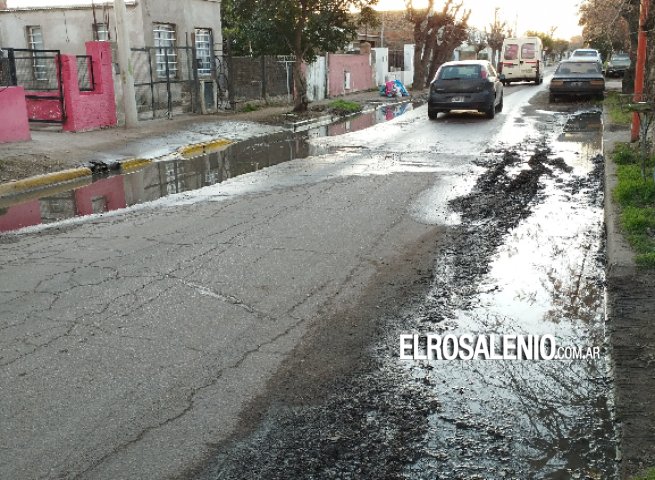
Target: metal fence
[165,81]
[85,80]
[396,60]
[256,78]
[39,73]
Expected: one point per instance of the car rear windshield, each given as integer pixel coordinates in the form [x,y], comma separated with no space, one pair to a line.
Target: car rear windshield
[578,67]
[585,53]
[620,56]
[452,72]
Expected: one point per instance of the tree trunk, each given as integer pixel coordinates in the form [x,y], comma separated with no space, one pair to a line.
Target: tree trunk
[300,100]
[419,64]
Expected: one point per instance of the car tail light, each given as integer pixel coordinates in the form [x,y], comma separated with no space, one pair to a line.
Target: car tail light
[597,83]
[557,82]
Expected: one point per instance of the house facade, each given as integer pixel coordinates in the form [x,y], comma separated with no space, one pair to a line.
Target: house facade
[150,23]
[174,44]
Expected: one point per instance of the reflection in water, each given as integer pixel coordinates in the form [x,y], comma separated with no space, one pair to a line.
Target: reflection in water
[164,178]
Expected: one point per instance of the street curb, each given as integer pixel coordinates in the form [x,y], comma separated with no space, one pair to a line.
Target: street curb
[620,256]
[203,147]
[40,181]
[134,163]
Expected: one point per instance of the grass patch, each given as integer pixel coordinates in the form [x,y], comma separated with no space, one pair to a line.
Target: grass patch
[250,107]
[613,104]
[636,196]
[345,107]
[625,154]
[647,475]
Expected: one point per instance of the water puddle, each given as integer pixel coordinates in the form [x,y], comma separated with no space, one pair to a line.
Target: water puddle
[109,191]
[526,419]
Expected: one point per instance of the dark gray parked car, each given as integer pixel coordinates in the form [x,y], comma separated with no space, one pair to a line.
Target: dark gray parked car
[617,65]
[574,78]
[466,85]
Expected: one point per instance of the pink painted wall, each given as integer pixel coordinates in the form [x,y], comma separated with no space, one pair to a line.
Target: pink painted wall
[13,115]
[112,189]
[95,109]
[84,110]
[361,73]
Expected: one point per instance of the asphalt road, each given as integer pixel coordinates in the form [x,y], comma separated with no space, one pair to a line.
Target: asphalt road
[131,343]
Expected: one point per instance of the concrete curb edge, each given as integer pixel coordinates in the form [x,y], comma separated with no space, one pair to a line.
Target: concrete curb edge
[41,181]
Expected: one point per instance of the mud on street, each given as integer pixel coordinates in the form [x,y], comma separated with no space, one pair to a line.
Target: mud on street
[526,256]
[250,329]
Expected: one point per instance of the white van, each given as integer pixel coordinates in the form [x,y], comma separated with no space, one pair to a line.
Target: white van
[521,59]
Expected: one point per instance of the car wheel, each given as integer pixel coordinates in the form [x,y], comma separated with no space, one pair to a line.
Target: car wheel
[499,107]
[552,98]
[491,111]
[432,115]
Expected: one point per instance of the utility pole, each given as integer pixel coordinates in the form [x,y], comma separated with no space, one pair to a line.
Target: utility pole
[127,75]
[639,68]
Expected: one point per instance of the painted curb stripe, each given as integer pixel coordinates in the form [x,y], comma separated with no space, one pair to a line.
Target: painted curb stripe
[204,147]
[133,163]
[41,181]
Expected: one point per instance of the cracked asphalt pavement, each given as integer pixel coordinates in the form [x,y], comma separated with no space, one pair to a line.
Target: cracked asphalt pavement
[165,341]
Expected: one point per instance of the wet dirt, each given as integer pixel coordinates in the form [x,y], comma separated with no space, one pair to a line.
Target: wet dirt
[525,257]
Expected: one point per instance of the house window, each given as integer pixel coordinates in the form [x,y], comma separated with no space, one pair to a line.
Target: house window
[101,32]
[35,43]
[204,51]
[165,49]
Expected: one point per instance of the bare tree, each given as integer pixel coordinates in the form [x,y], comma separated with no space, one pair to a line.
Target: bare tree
[436,35]
[496,36]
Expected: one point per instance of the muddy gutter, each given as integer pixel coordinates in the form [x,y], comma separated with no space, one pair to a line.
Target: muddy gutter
[630,314]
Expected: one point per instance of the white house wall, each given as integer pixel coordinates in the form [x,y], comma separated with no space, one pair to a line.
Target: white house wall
[186,16]
[316,80]
[64,29]
[381,67]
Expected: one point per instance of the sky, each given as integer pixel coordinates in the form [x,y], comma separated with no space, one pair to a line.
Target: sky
[536,15]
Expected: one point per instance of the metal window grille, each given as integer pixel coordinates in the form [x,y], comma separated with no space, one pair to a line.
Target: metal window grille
[85,79]
[204,50]
[101,32]
[35,41]
[165,50]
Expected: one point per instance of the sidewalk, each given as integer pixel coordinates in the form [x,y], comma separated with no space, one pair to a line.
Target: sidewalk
[52,151]
[631,330]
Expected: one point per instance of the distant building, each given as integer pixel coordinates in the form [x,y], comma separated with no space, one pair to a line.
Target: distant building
[394,31]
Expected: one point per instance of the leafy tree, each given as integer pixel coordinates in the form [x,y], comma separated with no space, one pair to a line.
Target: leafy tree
[302,28]
[546,39]
[559,47]
[610,25]
[436,34]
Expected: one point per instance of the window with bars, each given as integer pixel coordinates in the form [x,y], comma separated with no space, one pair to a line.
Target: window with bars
[35,42]
[101,32]
[164,34]
[204,51]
